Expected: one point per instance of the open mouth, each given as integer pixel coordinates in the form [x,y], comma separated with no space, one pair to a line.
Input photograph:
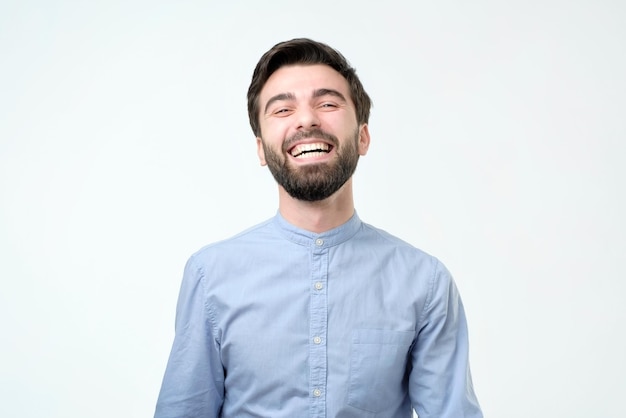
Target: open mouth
[310,150]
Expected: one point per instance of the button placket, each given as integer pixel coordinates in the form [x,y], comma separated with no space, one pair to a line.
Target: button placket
[318,328]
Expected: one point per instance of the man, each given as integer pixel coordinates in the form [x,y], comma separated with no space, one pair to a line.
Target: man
[314,313]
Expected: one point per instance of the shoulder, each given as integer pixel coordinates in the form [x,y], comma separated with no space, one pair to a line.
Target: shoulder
[406,253]
[237,244]
[252,234]
[384,239]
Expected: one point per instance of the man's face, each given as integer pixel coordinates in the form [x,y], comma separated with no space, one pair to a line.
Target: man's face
[310,138]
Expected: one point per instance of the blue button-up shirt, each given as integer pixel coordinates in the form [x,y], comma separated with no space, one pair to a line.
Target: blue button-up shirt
[282,322]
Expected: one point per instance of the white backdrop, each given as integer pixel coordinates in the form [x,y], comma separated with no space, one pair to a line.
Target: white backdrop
[498,143]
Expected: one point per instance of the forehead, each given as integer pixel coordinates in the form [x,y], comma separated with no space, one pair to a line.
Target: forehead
[303,80]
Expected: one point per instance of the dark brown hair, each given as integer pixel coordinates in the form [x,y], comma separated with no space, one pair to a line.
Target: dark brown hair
[306,52]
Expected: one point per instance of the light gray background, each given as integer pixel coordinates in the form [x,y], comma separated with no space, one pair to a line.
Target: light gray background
[497,145]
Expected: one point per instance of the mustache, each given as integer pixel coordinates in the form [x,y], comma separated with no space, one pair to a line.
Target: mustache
[313,133]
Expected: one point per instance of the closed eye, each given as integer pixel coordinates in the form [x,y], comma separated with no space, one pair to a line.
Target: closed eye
[281,111]
[328,105]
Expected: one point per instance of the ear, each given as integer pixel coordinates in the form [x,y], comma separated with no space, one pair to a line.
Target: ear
[260,151]
[364,139]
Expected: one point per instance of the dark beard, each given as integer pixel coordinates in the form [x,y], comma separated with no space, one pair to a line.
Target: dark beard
[314,182]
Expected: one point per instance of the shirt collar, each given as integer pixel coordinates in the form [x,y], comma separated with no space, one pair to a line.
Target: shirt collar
[328,238]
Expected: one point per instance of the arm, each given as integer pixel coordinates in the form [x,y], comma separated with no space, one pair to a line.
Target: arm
[193,385]
[440,384]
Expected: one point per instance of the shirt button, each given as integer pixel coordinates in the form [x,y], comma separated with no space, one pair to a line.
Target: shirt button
[317,340]
[319,242]
[317,393]
[319,286]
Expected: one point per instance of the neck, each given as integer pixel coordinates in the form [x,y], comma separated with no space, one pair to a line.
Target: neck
[318,216]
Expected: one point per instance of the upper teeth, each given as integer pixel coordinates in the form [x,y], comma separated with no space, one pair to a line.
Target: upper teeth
[298,150]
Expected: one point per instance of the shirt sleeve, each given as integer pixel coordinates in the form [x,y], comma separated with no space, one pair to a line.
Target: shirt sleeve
[193,385]
[440,383]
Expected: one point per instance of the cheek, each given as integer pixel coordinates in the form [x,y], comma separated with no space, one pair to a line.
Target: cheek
[342,122]
[274,132]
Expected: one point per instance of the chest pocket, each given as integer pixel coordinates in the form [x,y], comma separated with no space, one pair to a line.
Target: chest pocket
[378,365]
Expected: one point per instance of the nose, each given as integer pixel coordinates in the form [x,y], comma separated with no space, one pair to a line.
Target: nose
[307,118]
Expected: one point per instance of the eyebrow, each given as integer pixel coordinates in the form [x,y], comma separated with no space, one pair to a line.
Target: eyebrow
[279,97]
[316,94]
[328,92]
